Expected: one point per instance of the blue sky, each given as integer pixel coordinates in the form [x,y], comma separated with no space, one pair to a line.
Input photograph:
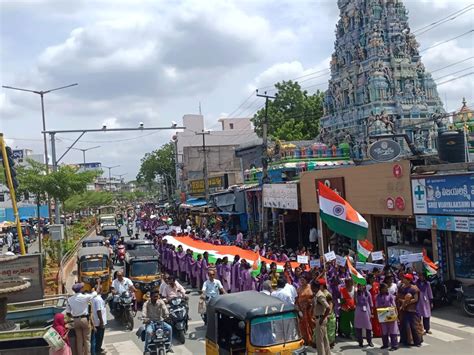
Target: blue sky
[154,61]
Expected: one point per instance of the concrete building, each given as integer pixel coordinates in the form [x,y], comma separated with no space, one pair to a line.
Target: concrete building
[221,146]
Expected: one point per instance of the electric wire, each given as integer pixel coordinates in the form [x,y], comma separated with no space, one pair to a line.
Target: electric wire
[446,41]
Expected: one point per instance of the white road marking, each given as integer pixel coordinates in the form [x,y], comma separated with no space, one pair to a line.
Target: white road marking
[443,336]
[126,347]
[194,322]
[454,325]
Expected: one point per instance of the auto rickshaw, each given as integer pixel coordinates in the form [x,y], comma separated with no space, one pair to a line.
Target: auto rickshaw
[111,232]
[93,241]
[141,266]
[94,263]
[135,244]
[252,323]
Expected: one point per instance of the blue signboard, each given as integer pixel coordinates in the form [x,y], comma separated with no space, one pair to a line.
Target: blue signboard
[446,223]
[444,195]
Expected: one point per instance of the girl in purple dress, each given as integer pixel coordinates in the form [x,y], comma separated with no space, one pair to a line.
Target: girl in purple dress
[263,276]
[389,329]
[204,266]
[246,280]
[225,272]
[180,259]
[425,303]
[197,272]
[363,302]
[235,277]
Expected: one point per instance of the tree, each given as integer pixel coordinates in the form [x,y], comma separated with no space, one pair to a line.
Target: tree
[292,115]
[87,200]
[160,162]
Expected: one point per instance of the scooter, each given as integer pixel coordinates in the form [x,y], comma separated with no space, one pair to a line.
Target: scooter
[179,318]
[120,254]
[159,343]
[123,310]
[466,296]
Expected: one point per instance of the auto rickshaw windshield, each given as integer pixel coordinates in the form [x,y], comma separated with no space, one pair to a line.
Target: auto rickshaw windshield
[90,265]
[274,330]
[144,268]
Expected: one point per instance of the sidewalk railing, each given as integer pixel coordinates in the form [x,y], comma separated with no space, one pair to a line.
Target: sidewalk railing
[68,261]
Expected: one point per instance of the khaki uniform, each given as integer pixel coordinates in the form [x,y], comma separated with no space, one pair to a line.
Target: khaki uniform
[322,341]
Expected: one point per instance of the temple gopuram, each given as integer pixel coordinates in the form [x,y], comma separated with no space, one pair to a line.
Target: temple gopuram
[378,82]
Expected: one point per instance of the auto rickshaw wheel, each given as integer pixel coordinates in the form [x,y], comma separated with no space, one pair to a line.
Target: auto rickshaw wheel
[181,336]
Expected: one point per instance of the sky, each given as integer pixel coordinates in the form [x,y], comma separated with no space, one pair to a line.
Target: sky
[153,61]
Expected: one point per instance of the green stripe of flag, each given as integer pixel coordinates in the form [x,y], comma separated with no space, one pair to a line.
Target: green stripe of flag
[345,228]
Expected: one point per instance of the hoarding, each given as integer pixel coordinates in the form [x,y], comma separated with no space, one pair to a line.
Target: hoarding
[284,196]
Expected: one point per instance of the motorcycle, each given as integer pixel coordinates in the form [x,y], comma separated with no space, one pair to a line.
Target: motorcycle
[120,254]
[444,292]
[159,343]
[178,318]
[466,296]
[124,308]
[129,230]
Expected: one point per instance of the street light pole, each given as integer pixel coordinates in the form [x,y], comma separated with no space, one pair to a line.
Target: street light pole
[41,93]
[204,169]
[84,150]
[110,174]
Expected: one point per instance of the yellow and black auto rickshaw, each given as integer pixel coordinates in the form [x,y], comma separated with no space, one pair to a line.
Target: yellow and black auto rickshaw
[93,241]
[94,263]
[139,244]
[141,266]
[252,323]
[110,232]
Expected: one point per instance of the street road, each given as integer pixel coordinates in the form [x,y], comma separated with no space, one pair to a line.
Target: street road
[117,341]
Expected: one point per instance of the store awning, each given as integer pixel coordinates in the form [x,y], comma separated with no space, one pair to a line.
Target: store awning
[193,202]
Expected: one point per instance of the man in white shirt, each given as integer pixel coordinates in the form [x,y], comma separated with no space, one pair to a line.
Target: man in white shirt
[313,235]
[212,287]
[283,293]
[119,286]
[99,320]
[172,289]
[267,287]
[78,308]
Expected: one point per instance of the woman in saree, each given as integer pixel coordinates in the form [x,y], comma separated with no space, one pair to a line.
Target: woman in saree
[59,326]
[304,305]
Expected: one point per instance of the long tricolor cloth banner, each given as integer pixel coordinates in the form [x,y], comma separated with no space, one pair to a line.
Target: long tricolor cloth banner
[221,251]
[339,215]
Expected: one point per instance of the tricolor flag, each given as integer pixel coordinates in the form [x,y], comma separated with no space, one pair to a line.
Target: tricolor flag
[339,216]
[356,275]
[364,248]
[429,266]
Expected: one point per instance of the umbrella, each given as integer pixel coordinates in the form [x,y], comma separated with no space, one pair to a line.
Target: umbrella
[6,224]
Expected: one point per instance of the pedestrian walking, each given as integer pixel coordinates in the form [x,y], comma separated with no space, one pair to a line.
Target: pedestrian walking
[59,326]
[99,321]
[373,286]
[78,308]
[346,320]
[363,314]
[321,312]
[425,303]
[389,329]
[408,295]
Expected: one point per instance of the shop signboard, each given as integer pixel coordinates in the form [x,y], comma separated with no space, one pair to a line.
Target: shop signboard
[284,196]
[385,150]
[29,267]
[444,195]
[197,186]
[334,183]
[446,223]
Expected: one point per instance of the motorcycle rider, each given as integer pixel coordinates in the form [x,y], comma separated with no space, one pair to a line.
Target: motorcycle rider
[173,289]
[120,285]
[155,310]
[210,289]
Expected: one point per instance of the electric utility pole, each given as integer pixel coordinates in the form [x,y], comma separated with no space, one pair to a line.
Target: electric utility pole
[204,168]
[265,177]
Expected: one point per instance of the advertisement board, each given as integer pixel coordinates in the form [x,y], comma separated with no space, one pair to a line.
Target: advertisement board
[446,223]
[284,196]
[444,195]
[197,186]
[29,267]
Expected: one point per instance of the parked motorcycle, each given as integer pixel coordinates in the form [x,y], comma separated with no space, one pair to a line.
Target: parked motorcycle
[178,318]
[444,292]
[159,343]
[123,310]
[466,296]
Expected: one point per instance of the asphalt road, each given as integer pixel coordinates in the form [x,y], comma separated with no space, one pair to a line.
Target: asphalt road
[118,341]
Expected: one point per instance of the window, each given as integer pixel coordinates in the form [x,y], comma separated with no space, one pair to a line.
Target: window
[231,125]
[272,330]
[144,268]
[92,265]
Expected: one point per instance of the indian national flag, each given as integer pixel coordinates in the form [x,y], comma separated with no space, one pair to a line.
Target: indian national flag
[339,216]
[429,266]
[364,248]
[356,275]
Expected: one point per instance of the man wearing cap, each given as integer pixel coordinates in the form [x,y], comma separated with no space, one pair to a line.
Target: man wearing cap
[321,309]
[78,308]
[410,323]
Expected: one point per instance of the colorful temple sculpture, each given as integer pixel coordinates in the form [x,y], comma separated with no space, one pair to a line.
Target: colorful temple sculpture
[378,83]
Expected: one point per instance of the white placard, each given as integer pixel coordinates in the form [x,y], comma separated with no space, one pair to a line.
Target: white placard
[377,255]
[413,258]
[283,196]
[368,266]
[314,263]
[330,256]
[340,260]
[302,259]
[404,259]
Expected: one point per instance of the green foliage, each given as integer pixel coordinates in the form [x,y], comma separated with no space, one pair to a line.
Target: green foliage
[67,182]
[292,115]
[32,180]
[88,199]
[160,162]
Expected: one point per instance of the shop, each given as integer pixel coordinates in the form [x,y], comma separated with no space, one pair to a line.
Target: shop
[444,207]
[381,193]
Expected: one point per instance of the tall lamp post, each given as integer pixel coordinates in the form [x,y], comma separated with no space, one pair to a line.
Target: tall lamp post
[120,176]
[110,174]
[84,150]
[41,93]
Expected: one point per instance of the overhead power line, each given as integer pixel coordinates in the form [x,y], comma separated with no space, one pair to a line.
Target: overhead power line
[454,79]
[454,73]
[448,40]
[439,22]
[453,64]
